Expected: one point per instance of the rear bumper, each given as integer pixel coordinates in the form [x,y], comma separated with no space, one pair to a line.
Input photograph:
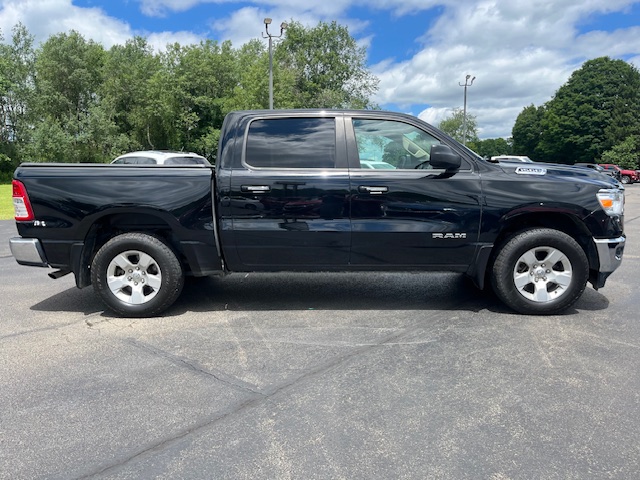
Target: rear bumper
[28,251]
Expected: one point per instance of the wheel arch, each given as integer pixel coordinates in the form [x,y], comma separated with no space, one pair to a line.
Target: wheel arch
[563,222]
[511,225]
[116,222]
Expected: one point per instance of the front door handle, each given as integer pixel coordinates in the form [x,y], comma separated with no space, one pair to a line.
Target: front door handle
[255,188]
[372,190]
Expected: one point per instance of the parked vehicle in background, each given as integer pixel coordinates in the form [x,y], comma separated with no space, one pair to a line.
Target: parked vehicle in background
[612,170]
[593,166]
[629,176]
[161,157]
[511,158]
[376,165]
[626,176]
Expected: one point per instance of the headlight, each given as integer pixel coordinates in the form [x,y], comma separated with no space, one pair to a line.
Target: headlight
[611,201]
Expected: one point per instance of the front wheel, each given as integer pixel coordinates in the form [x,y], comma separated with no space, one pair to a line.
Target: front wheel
[137,275]
[626,179]
[540,271]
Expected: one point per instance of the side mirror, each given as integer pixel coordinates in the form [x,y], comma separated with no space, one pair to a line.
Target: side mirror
[443,157]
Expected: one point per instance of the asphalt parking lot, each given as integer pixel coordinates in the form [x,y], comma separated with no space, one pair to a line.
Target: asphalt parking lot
[325,376]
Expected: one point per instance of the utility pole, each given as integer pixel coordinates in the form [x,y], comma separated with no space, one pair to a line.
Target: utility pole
[464,112]
[283,26]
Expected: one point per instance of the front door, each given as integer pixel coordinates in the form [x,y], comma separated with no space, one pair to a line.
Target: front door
[405,213]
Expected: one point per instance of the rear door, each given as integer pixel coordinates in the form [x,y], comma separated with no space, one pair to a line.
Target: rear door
[405,213]
[289,203]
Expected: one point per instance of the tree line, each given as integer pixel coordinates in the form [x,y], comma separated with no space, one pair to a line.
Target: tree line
[593,117]
[72,100]
[461,128]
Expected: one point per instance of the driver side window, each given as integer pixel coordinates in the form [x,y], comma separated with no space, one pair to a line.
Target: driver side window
[388,144]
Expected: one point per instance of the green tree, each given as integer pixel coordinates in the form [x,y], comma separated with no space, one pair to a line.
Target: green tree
[70,100]
[6,168]
[68,75]
[327,67]
[252,88]
[526,131]
[125,94]
[626,154]
[16,92]
[491,147]
[200,80]
[596,109]
[454,125]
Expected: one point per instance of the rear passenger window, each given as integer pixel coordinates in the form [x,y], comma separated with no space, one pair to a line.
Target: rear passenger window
[292,143]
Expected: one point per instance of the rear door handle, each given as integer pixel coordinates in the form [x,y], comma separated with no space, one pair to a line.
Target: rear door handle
[372,190]
[255,188]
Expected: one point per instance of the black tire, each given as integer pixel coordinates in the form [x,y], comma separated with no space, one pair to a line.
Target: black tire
[626,179]
[540,272]
[137,275]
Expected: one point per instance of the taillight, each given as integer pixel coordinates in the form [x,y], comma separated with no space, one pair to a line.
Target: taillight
[21,203]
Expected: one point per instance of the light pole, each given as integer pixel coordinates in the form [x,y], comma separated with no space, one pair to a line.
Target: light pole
[464,112]
[283,26]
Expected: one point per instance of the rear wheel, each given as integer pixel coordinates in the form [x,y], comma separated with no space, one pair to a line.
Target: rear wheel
[540,271]
[137,275]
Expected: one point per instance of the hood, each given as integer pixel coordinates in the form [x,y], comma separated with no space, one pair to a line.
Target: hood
[557,170]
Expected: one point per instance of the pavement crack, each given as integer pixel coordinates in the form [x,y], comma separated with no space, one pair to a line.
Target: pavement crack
[37,330]
[225,378]
[255,401]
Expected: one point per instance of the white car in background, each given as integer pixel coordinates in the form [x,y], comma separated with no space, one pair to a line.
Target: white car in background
[161,157]
[376,165]
[511,158]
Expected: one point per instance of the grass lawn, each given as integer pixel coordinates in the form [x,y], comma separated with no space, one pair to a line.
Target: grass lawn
[6,202]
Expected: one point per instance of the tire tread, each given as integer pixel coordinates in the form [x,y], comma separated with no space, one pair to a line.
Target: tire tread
[171,268]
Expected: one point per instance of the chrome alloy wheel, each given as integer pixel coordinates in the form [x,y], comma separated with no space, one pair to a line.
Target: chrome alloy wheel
[134,277]
[542,274]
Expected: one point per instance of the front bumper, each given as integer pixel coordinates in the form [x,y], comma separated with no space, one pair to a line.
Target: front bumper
[28,251]
[610,252]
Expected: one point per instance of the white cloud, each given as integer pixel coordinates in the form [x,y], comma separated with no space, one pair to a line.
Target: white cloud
[160,40]
[434,115]
[315,8]
[520,51]
[247,24]
[155,8]
[44,18]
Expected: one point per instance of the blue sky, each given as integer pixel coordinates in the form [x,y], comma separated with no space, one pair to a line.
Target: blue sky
[520,51]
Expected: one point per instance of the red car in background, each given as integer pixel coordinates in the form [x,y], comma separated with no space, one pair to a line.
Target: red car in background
[625,176]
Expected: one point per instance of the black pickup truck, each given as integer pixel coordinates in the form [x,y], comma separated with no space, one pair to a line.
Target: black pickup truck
[316,190]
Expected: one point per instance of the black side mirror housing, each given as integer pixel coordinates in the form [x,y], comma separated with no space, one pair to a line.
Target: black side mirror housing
[445,158]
